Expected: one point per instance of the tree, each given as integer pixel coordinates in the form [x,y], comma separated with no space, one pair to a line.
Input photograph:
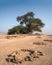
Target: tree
[31,23]
[13,30]
[17,30]
[28,24]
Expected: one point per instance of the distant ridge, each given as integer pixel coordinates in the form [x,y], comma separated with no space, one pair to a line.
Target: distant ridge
[49,35]
[2,33]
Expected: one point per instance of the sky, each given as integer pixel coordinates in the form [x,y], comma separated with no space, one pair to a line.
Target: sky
[10,9]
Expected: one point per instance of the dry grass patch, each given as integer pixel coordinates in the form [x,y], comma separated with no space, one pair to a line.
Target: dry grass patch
[39,43]
[48,40]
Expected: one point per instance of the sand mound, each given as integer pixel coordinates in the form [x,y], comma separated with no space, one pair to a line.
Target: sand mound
[25,50]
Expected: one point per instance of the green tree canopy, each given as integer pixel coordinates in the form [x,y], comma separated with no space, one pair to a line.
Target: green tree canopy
[28,24]
[31,23]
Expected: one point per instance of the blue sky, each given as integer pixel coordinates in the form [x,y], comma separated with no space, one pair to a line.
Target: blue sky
[10,9]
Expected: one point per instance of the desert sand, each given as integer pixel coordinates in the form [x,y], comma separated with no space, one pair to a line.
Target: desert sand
[24,44]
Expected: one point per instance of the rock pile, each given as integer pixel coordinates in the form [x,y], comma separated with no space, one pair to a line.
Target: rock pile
[23,55]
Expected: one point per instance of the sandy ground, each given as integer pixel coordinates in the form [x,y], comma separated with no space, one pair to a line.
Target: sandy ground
[8,44]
